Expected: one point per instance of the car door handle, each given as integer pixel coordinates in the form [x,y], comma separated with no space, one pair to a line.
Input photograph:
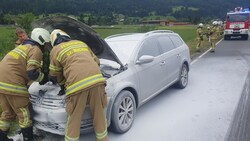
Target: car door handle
[163,63]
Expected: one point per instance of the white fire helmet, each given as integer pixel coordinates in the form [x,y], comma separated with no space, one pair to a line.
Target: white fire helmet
[40,35]
[215,23]
[55,34]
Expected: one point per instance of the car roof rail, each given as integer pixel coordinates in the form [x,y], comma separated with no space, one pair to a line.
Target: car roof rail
[117,35]
[159,31]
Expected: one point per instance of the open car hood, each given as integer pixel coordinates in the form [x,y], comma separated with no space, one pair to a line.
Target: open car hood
[79,31]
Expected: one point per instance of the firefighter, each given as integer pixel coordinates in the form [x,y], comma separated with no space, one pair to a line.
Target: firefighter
[214,36]
[199,38]
[22,35]
[74,66]
[208,34]
[18,68]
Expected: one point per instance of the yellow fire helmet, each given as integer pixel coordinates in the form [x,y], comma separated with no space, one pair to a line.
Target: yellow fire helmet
[55,34]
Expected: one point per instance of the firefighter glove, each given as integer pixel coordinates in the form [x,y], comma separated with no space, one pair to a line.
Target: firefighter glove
[62,91]
[45,79]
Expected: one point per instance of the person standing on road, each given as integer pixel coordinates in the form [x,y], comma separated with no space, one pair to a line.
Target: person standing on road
[18,68]
[208,34]
[74,66]
[199,38]
[214,36]
[22,35]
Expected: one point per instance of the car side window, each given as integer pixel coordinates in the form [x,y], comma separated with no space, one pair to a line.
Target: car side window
[176,40]
[149,47]
[165,43]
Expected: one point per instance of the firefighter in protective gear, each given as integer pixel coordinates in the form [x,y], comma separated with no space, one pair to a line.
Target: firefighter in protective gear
[214,36]
[74,65]
[18,68]
[199,38]
[208,34]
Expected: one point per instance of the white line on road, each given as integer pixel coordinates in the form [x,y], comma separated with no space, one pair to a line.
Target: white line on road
[195,60]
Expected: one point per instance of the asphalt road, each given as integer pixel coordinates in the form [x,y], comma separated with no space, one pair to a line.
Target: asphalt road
[213,107]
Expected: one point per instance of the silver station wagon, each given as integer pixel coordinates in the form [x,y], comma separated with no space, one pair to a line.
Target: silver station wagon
[137,67]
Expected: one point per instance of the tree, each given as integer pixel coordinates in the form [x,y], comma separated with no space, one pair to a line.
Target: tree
[9,19]
[25,20]
[22,20]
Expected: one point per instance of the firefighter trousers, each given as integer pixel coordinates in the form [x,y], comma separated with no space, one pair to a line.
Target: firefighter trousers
[213,43]
[75,106]
[13,106]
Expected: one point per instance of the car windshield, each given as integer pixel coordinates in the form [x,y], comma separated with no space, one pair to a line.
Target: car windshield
[123,49]
[237,17]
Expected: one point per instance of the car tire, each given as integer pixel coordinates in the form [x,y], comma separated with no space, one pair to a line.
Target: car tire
[123,112]
[226,37]
[183,78]
[246,37]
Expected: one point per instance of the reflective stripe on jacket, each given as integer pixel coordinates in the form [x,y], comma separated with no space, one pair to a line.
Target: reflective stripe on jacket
[199,33]
[14,68]
[75,65]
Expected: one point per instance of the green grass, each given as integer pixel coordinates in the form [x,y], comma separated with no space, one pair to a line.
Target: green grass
[186,32]
[7,40]
[107,31]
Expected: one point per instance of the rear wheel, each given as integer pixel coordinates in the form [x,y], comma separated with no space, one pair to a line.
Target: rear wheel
[226,37]
[123,112]
[183,78]
[246,37]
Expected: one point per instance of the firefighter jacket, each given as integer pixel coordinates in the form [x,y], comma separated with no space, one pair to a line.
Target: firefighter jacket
[199,33]
[75,66]
[208,33]
[19,67]
[215,33]
[18,42]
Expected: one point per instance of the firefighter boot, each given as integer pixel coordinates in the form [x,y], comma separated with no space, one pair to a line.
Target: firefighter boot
[27,134]
[3,136]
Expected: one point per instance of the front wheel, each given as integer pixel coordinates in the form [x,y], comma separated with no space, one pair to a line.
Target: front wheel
[123,112]
[183,78]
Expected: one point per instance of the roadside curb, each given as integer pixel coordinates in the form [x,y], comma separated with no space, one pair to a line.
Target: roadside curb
[239,127]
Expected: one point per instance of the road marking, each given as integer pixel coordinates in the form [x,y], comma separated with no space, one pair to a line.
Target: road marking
[195,60]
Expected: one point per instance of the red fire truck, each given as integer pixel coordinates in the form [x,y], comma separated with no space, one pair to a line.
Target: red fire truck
[237,24]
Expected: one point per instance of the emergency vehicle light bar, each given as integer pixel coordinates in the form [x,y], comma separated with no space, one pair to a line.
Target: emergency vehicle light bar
[246,10]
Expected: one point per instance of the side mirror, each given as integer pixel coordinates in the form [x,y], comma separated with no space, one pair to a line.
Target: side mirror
[145,59]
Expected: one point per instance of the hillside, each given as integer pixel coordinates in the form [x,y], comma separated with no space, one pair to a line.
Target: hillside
[180,9]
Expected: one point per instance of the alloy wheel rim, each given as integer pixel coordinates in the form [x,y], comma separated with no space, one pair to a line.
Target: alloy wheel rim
[184,77]
[126,112]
